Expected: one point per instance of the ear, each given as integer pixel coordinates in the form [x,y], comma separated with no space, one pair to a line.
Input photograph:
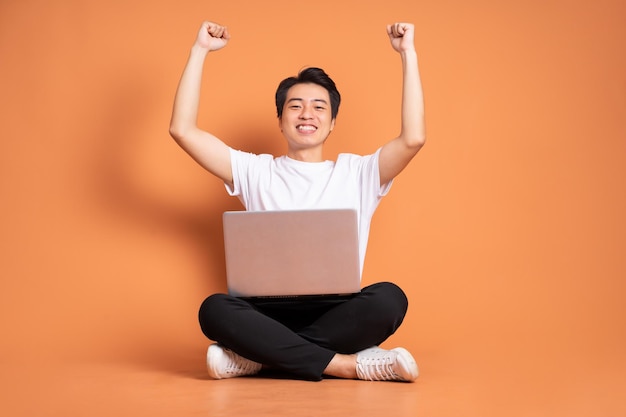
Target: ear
[280,123]
[332,124]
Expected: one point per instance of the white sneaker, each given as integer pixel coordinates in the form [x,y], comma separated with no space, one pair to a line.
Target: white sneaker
[376,364]
[224,363]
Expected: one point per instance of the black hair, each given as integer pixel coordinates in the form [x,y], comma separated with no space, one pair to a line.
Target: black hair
[308,75]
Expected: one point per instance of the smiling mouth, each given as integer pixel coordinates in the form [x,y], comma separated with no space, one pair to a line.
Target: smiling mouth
[306,128]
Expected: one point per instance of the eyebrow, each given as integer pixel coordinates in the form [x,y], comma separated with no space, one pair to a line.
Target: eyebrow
[321,100]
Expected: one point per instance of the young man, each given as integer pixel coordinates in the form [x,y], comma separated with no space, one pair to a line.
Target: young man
[305,339]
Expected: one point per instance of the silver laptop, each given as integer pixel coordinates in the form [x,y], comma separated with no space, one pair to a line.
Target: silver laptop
[291,253]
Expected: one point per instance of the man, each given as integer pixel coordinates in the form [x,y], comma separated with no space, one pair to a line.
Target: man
[305,339]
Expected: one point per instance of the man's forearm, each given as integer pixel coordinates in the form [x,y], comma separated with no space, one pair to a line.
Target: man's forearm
[413,127]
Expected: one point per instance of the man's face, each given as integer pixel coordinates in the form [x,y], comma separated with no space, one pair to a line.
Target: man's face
[307,120]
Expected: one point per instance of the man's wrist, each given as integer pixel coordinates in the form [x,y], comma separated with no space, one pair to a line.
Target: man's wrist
[198,49]
[409,52]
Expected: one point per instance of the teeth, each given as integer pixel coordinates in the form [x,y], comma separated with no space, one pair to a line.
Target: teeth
[307,128]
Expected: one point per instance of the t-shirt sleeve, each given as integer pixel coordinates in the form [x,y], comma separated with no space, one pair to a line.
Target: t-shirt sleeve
[235,164]
[247,169]
[244,167]
[370,176]
[364,170]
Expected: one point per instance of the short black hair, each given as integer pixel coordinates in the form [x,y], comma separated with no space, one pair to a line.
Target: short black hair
[310,75]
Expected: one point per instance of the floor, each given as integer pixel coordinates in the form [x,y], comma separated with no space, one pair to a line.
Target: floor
[449,385]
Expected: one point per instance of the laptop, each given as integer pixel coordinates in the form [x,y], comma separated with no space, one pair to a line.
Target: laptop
[292,253]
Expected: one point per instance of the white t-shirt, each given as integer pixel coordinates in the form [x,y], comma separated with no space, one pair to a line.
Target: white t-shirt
[263,182]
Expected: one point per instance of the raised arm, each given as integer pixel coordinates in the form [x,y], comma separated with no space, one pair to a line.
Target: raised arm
[206,149]
[397,153]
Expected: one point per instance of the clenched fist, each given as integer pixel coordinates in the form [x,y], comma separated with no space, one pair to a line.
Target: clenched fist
[212,36]
[401,36]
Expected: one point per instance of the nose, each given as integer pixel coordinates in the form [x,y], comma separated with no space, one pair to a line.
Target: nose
[306,112]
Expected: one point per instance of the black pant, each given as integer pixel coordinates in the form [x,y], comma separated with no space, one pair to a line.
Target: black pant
[301,337]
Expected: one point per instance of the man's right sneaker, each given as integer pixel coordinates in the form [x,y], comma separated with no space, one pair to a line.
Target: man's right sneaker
[224,363]
[376,364]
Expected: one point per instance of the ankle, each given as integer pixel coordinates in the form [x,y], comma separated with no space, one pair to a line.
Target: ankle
[342,366]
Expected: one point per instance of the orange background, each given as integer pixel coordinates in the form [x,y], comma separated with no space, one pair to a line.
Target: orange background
[507,231]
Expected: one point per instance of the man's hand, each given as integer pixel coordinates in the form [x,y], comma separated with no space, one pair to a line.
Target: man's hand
[401,36]
[212,36]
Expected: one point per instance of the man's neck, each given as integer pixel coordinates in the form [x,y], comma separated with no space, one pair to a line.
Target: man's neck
[306,155]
